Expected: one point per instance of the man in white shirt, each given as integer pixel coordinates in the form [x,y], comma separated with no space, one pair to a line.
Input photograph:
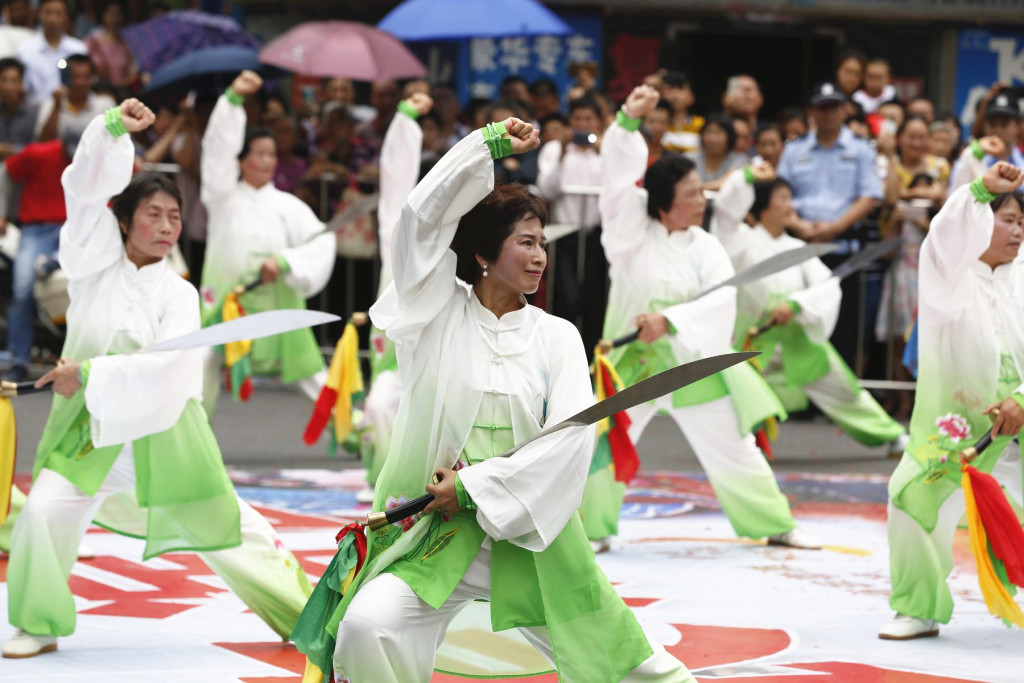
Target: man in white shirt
[73,106]
[42,52]
[577,163]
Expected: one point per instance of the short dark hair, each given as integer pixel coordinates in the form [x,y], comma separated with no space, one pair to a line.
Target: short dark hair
[1002,199]
[80,59]
[554,117]
[66,3]
[852,53]
[660,181]
[254,133]
[666,106]
[485,228]
[789,113]
[544,87]
[675,79]
[769,128]
[908,120]
[725,123]
[586,103]
[12,63]
[512,105]
[763,195]
[142,186]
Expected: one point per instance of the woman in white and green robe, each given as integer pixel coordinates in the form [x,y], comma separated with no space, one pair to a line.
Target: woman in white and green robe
[802,305]
[255,231]
[660,261]
[127,443]
[481,370]
[971,360]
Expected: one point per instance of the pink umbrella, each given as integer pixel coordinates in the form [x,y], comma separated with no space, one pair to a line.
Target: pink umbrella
[342,49]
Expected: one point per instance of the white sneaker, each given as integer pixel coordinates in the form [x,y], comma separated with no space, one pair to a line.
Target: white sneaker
[902,627]
[795,538]
[86,551]
[897,445]
[601,545]
[24,644]
[366,495]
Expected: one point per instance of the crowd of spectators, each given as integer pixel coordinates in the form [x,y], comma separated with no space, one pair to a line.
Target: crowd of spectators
[862,164]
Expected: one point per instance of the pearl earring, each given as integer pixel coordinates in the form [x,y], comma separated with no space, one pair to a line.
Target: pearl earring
[485,270]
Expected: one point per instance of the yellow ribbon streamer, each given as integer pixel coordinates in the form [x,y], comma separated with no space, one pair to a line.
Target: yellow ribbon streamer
[8,448]
[234,351]
[346,378]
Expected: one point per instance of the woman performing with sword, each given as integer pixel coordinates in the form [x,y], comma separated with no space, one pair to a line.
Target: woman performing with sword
[127,441]
[256,233]
[971,363]
[796,308]
[481,371]
[660,259]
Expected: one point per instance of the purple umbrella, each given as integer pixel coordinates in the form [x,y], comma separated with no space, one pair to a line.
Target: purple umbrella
[342,49]
[158,41]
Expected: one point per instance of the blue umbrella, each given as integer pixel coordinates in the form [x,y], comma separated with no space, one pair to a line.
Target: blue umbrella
[451,19]
[208,69]
[158,41]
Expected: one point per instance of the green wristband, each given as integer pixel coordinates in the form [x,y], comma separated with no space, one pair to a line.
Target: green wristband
[408,110]
[976,150]
[626,121]
[499,145]
[113,122]
[283,264]
[465,501]
[748,175]
[1018,398]
[794,306]
[234,98]
[83,371]
[981,192]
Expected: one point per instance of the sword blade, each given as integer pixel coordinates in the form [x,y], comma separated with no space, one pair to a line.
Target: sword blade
[255,326]
[866,257]
[772,265]
[651,388]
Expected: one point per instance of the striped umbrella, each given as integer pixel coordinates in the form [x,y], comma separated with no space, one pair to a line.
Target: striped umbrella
[158,41]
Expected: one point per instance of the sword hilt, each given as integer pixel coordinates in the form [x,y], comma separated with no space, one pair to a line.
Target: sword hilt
[359,319]
[13,389]
[239,290]
[607,345]
[377,520]
[968,454]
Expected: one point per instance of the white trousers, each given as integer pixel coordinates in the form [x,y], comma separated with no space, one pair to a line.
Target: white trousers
[260,571]
[737,470]
[389,635]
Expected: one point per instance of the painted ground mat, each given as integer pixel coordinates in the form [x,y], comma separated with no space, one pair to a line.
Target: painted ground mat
[733,610]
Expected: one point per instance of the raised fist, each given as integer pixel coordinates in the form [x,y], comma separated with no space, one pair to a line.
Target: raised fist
[247,83]
[763,172]
[1002,178]
[992,145]
[641,101]
[523,136]
[421,102]
[136,116]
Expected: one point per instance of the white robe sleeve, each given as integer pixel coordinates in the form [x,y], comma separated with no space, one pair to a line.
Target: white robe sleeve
[549,170]
[311,261]
[623,205]
[967,168]
[90,240]
[705,325]
[732,204]
[222,143]
[424,264]
[399,169]
[958,236]
[819,302]
[528,498]
[130,396]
